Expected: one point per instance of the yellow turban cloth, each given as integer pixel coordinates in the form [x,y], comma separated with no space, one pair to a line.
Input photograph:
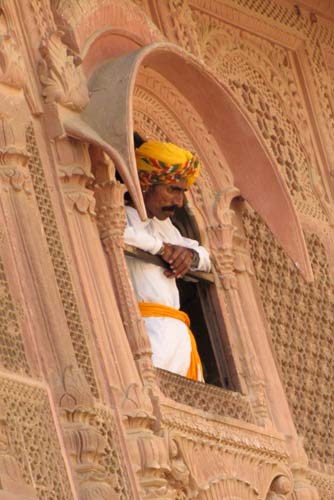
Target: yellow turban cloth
[165,163]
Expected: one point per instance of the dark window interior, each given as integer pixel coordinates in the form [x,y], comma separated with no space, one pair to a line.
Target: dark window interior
[197,300]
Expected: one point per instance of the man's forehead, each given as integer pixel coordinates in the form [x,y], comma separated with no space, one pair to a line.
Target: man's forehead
[178,185]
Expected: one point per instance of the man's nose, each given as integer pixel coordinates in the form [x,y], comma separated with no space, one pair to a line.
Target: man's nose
[179,199]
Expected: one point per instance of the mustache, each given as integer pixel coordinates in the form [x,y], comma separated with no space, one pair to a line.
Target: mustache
[169,208]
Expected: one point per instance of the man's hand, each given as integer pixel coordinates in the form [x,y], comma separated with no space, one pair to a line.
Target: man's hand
[179,259]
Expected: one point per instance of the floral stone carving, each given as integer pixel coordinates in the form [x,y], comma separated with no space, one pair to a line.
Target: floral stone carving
[60,74]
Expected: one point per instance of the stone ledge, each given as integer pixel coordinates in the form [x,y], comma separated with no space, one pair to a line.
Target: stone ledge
[209,398]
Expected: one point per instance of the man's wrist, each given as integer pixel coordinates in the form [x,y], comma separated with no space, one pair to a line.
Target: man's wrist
[161,250]
[195,260]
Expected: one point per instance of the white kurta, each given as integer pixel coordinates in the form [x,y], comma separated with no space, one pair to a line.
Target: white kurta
[169,337]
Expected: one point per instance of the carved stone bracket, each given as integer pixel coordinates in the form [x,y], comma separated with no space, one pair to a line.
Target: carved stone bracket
[84,442]
[303,489]
[242,259]
[76,194]
[159,464]
[74,172]
[60,75]
[221,237]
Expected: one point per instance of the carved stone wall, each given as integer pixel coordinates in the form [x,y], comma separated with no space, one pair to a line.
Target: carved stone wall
[12,353]
[33,439]
[81,415]
[79,336]
[301,326]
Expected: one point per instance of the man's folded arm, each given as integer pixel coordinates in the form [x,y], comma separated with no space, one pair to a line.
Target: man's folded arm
[143,240]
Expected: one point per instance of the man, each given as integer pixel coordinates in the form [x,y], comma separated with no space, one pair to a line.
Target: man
[165,172]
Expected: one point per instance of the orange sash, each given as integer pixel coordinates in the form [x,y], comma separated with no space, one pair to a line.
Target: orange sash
[148,309]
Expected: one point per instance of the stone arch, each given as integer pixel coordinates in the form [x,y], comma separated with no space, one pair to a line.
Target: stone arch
[237,140]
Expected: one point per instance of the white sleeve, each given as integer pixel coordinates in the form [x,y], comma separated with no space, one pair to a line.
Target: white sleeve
[136,235]
[141,239]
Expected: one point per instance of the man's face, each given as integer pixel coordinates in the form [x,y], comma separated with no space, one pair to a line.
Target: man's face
[162,200]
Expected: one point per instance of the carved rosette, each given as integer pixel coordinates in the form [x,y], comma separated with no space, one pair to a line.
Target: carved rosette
[60,75]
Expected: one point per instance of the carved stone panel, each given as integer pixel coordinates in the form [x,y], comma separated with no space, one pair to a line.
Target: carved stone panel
[301,323]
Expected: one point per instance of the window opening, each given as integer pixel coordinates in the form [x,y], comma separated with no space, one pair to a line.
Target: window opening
[198,300]
[207,323]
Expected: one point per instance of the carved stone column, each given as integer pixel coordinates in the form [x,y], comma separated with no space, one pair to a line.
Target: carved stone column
[249,371]
[111,222]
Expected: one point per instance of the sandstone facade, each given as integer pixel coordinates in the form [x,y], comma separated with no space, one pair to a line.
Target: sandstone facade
[249,85]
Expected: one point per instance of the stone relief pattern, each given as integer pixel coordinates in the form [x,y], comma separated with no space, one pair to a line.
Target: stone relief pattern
[33,439]
[112,460]
[255,83]
[12,355]
[324,84]
[301,321]
[77,332]
[184,25]
[43,16]
[324,484]
[208,398]
[315,34]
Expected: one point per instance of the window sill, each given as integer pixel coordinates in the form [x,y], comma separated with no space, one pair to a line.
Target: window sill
[205,397]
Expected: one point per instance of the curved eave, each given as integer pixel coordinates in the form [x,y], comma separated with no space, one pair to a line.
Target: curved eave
[254,172]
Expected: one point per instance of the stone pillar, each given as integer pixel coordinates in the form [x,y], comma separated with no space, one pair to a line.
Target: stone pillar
[249,371]
[111,222]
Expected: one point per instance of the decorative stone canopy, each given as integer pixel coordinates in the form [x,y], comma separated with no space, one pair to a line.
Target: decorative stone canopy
[107,121]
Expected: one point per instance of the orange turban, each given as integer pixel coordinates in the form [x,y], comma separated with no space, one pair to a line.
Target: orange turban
[165,163]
